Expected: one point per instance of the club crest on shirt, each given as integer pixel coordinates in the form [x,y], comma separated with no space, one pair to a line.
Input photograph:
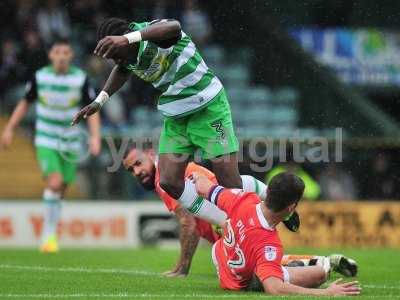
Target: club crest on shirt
[270,253]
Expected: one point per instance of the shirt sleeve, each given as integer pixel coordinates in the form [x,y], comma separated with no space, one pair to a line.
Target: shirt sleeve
[195,168]
[224,198]
[88,92]
[31,90]
[171,203]
[268,260]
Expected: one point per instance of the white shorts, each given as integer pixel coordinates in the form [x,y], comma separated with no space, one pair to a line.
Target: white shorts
[286,275]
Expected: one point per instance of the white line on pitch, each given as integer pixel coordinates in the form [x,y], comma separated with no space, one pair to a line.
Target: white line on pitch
[149,295]
[383,286]
[81,270]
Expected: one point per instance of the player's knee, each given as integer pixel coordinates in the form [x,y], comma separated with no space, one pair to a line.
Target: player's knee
[174,187]
[230,181]
[55,182]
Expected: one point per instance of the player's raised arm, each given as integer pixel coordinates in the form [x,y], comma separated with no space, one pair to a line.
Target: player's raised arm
[160,31]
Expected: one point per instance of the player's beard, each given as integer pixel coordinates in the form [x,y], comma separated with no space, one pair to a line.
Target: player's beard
[150,184]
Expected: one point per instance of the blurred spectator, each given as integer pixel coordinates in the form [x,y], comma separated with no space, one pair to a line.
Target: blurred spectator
[53,22]
[312,189]
[8,20]
[26,11]
[33,54]
[336,184]
[10,69]
[85,12]
[97,68]
[160,10]
[382,183]
[196,23]
[167,10]
[115,112]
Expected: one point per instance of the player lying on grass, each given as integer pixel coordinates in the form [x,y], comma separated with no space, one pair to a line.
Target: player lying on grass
[251,250]
[192,100]
[142,165]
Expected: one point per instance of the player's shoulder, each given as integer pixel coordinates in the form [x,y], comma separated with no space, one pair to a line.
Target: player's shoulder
[260,238]
[75,70]
[45,70]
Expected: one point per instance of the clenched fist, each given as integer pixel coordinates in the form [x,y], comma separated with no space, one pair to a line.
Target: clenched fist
[202,183]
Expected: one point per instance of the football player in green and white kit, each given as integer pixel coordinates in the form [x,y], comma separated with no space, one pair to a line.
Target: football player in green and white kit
[59,90]
[192,100]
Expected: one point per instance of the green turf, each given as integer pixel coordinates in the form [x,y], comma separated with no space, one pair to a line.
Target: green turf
[133,274]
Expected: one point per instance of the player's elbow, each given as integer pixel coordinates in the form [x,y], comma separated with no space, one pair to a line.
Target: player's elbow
[175,28]
[320,278]
[273,287]
[274,291]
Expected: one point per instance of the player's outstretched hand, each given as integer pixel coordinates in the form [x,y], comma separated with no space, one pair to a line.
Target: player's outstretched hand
[85,112]
[6,138]
[337,288]
[180,270]
[203,184]
[107,46]
[174,274]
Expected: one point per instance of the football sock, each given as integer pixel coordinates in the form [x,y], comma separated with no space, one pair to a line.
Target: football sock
[324,262]
[287,259]
[250,184]
[52,202]
[201,207]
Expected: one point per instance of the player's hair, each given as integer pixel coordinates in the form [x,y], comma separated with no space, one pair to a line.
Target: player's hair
[142,146]
[60,41]
[112,26]
[283,190]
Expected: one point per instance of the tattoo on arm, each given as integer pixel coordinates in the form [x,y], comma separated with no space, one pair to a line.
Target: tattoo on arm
[189,238]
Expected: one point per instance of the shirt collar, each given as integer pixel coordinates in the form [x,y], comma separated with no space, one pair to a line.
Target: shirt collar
[261,218]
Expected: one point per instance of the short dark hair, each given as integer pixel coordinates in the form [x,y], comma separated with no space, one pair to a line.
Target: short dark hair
[283,190]
[112,26]
[142,146]
[60,41]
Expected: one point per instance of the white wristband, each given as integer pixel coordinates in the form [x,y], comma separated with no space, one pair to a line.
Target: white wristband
[133,37]
[102,98]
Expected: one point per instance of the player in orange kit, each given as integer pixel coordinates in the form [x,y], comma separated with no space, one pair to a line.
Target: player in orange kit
[142,165]
[251,250]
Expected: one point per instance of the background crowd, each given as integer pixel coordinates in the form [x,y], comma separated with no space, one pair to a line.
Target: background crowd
[30,26]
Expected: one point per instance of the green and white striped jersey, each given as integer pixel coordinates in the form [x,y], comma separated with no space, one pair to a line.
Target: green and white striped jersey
[179,72]
[58,98]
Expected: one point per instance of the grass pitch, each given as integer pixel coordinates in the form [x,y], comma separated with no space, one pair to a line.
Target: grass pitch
[135,274]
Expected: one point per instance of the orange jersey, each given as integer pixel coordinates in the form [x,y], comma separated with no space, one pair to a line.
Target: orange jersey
[249,246]
[204,229]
